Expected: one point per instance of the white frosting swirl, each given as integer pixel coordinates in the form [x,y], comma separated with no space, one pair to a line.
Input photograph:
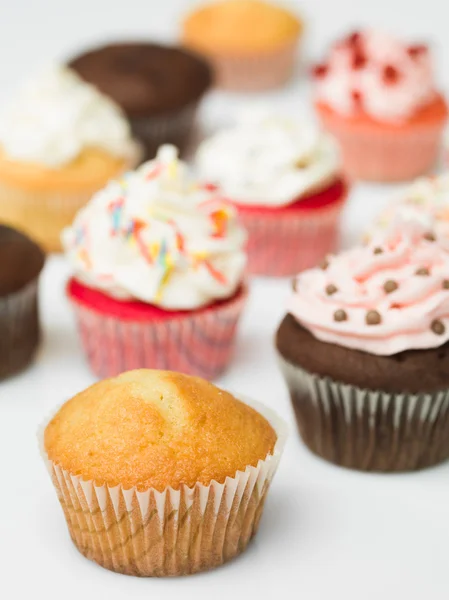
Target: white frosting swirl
[426,201]
[158,237]
[57,115]
[267,160]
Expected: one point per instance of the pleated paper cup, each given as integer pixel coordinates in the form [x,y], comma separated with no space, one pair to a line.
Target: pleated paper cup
[174,532]
[369,430]
[19,329]
[172,128]
[255,72]
[282,244]
[197,343]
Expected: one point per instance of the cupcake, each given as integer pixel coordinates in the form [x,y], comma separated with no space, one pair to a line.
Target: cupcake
[283,176]
[21,262]
[160,473]
[252,44]
[364,351]
[158,87]
[378,96]
[425,200]
[60,141]
[158,273]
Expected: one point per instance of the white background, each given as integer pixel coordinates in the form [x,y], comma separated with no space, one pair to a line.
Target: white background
[326,532]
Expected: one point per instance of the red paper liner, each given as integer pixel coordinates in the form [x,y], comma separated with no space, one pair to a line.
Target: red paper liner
[199,342]
[283,242]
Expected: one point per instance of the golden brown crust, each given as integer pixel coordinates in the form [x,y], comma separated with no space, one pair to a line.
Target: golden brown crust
[150,428]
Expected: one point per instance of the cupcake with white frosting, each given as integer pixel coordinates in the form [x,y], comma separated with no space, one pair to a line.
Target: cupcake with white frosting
[283,176]
[364,350]
[379,97]
[158,266]
[61,140]
[426,200]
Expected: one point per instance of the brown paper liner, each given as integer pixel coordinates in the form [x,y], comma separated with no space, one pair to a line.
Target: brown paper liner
[19,329]
[174,532]
[366,429]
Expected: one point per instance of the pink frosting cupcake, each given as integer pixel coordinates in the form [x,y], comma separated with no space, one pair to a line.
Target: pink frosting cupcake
[158,273]
[283,176]
[378,96]
[364,351]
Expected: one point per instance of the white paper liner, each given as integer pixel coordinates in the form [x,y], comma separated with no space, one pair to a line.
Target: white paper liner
[366,429]
[174,532]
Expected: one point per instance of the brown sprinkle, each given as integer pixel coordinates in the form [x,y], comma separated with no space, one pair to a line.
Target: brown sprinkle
[373,318]
[331,289]
[438,327]
[390,286]
[340,315]
[424,271]
[446,284]
[378,250]
[324,264]
[430,237]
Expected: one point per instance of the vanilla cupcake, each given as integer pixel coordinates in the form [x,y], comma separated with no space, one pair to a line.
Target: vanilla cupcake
[159,266]
[60,141]
[159,473]
[283,175]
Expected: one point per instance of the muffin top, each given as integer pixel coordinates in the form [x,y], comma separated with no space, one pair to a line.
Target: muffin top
[268,159]
[56,117]
[235,26]
[158,236]
[384,298]
[21,260]
[157,429]
[145,79]
[373,73]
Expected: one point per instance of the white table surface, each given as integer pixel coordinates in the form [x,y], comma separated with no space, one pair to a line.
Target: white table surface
[326,532]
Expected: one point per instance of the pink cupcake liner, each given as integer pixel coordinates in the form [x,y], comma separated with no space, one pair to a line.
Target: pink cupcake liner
[388,156]
[255,73]
[282,245]
[199,343]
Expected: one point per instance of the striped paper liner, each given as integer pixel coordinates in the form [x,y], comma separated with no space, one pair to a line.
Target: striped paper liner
[366,429]
[198,343]
[19,329]
[387,156]
[285,243]
[255,72]
[174,128]
[174,532]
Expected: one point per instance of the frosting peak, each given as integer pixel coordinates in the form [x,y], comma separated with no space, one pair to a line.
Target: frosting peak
[57,115]
[268,160]
[159,237]
[389,296]
[375,73]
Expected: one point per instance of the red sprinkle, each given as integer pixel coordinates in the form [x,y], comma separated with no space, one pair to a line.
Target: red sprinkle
[417,50]
[354,38]
[357,98]
[358,60]
[320,71]
[391,75]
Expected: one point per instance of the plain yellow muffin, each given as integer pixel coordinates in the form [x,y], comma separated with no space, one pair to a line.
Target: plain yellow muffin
[155,429]
[251,44]
[235,26]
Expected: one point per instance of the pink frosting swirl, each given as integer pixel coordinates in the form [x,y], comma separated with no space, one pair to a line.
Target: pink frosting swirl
[389,296]
[372,72]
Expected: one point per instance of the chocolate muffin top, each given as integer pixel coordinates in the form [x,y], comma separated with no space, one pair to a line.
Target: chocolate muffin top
[21,260]
[145,79]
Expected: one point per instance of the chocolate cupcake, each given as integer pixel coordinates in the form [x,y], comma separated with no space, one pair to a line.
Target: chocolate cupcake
[21,262]
[158,87]
[365,352]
